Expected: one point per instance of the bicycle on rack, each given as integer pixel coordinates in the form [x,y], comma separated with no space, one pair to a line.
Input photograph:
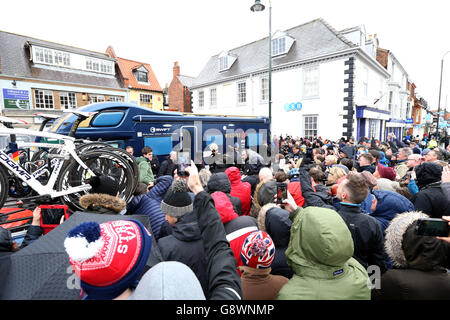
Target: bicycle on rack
[84,146]
[68,171]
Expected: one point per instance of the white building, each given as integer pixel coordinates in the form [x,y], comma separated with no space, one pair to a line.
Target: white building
[324,82]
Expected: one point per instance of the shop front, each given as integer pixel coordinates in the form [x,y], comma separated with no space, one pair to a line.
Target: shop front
[370,122]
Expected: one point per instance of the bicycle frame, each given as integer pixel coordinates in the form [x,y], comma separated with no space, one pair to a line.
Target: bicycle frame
[68,148]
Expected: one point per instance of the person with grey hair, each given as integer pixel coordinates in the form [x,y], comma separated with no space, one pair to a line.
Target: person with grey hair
[168,166]
[204,175]
[401,167]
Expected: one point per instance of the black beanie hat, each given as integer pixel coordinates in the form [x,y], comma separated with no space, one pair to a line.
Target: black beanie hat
[177,201]
[104,185]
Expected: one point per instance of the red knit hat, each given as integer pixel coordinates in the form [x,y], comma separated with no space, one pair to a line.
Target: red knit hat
[386,172]
[108,258]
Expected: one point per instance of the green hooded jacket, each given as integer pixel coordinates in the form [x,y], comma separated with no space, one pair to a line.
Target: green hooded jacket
[145,170]
[320,254]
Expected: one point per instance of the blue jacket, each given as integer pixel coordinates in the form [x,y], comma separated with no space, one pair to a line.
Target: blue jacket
[150,204]
[389,205]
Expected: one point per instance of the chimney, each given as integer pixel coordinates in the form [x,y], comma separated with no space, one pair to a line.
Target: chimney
[176,69]
[110,52]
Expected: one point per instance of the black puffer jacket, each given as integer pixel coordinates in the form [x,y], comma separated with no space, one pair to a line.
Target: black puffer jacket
[420,263]
[220,182]
[185,245]
[430,199]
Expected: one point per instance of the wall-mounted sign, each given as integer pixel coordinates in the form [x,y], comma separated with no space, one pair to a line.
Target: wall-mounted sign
[16,99]
[409,120]
[293,106]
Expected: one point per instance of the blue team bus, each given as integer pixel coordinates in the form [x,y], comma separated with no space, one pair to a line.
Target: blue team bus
[124,124]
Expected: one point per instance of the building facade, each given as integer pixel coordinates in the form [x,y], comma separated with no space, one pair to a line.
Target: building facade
[139,78]
[323,84]
[38,75]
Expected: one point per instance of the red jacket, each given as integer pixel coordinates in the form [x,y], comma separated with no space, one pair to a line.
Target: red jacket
[242,190]
[237,228]
[295,190]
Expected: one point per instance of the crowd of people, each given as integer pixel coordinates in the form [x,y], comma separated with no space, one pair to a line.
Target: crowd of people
[225,232]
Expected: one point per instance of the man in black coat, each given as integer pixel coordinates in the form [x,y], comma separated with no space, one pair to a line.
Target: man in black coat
[168,166]
[430,199]
[366,231]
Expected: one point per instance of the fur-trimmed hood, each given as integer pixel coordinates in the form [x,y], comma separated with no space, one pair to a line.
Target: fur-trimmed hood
[409,250]
[394,236]
[102,203]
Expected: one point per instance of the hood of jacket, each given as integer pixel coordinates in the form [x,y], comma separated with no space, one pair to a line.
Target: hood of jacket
[427,173]
[234,175]
[389,204]
[277,224]
[141,159]
[6,241]
[186,228]
[224,207]
[408,250]
[102,203]
[265,192]
[387,185]
[219,182]
[320,243]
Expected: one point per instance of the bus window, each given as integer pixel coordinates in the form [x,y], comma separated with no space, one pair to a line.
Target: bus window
[159,145]
[108,119]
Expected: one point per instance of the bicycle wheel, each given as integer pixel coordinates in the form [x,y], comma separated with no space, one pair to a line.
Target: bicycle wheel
[93,146]
[101,162]
[3,187]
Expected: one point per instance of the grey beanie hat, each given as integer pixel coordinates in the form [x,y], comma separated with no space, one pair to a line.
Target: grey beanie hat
[177,201]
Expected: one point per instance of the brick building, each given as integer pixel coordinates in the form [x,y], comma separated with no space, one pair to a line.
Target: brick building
[179,94]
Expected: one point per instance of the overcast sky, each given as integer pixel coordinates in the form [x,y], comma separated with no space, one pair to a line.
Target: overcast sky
[161,32]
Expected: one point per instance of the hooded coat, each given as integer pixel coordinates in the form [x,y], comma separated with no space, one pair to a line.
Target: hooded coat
[320,254]
[239,189]
[275,221]
[420,262]
[220,182]
[185,245]
[430,199]
[150,204]
[389,204]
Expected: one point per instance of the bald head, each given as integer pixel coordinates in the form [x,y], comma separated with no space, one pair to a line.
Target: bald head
[265,174]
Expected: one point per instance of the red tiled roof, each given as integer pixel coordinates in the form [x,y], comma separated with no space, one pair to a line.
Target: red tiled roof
[127,67]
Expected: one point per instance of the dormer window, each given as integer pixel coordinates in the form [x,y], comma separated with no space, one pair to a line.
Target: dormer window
[281,44]
[278,46]
[226,60]
[141,74]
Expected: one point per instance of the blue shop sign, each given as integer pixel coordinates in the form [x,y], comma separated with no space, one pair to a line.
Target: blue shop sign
[293,106]
[409,120]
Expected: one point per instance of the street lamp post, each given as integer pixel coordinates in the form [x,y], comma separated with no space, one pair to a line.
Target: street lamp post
[258,6]
[440,88]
